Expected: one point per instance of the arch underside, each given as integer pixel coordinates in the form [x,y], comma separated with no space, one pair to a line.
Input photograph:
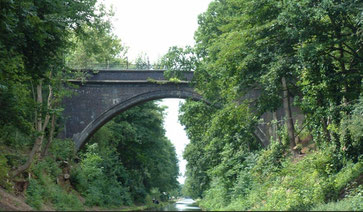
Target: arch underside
[81,138]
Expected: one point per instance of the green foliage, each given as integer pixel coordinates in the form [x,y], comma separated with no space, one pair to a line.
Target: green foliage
[217,196]
[35,36]
[345,177]
[178,59]
[48,166]
[245,180]
[195,116]
[220,143]
[34,194]
[4,170]
[354,202]
[62,150]
[300,185]
[245,47]
[99,186]
[100,48]
[128,159]
[155,193]
[174,80]
[270,160]
[43,189]
[148,156]
[325,53]
[73,33]
[14,114]
[142,62]
[351,136]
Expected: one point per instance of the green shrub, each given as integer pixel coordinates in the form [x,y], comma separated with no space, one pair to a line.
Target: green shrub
[349,173]
[62,200]
[63,150]
[43,189]
[301,185]
[106,193]
[351,203]
[216,197]
[292,185]
[351,133]
[270,160]
[34,194]
[99,187]
[13,137]
[78,179]
[47,166]
[4,170]
[155,193]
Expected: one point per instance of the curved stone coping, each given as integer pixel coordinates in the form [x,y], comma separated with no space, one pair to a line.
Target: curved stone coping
[130,70]
[128,81]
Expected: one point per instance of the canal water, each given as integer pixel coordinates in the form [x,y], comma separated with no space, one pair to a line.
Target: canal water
[182,205]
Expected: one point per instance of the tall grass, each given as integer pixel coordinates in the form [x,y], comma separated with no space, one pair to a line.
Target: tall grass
[295,185]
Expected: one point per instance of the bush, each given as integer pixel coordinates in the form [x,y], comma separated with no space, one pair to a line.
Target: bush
[4,170]
[270,160]
[99,187]
[43,189]
[348,174]
[289,185]
[63,150]
[106,193]
[63,201]
[351,203]
[47,166]
[216,197]
[34,194]
[13,137]
[351,135]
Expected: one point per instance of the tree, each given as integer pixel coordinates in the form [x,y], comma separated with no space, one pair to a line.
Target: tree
[45,27]
[98,49]
[179,59]
[306,50]
[142,61]
[329,58]
[137,138]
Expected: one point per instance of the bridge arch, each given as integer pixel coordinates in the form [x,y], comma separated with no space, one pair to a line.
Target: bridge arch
[107,93]
[81,138]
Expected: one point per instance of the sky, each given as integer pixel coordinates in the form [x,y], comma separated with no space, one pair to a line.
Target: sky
[151,27]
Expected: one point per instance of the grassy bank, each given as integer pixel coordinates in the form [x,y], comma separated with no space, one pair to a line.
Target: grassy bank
[312,182]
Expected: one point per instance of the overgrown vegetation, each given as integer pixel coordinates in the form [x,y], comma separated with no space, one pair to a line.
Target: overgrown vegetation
[259,59]
[42,44]
[253,59]
[47,185]
[127,160]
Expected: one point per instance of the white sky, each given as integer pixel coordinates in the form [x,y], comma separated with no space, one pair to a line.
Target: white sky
[151,27]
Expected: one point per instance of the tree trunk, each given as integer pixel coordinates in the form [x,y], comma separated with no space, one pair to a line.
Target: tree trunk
[289,120]
[325,129]
[40,128]
[275,127]
[50,137]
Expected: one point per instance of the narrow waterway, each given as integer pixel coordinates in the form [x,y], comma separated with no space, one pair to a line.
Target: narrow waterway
[181,205]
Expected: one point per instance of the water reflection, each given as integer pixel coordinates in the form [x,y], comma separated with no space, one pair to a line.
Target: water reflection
[182,205]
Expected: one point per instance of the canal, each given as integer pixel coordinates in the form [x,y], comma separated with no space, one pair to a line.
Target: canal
[181,205]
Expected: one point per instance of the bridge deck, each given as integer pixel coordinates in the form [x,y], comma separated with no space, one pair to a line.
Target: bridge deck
[127,81]
[137,75]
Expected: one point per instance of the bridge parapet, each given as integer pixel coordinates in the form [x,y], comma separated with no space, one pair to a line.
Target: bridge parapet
[133,75]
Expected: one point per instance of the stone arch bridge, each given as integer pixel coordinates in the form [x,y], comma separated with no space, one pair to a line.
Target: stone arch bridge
[107,93]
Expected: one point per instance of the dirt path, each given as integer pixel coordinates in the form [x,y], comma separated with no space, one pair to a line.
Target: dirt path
[9,202]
